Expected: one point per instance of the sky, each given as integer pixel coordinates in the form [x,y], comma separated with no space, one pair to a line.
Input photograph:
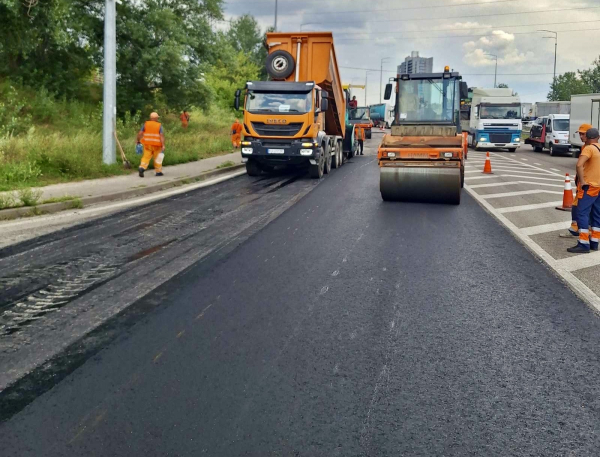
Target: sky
[457,33]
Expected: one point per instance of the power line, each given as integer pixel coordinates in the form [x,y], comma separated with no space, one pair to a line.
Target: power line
[408,8]
[459,17]
[537,24]
[360,40]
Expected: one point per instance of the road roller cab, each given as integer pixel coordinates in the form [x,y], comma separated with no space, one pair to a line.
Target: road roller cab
[423,157]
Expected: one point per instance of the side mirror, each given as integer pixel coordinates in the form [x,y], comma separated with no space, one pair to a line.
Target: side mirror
[464,90]
[324,100]
[388,92]
[237,99]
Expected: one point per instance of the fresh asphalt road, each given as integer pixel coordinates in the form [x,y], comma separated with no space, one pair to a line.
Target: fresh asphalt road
[345,327]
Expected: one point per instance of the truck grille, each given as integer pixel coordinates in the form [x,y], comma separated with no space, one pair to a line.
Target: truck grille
[500,137]
[277,130]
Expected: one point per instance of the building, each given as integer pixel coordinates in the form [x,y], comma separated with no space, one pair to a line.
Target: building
[416,64]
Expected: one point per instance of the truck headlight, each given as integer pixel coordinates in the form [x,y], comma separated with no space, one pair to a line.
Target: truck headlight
[246,150]
[306,152]
[246,143]
[483,138]
[391,154]
[517,140]
[308,145]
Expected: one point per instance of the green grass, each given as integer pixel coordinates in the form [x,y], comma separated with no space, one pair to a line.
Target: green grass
[65,198]
[59,141]
[29,197]
[227,164]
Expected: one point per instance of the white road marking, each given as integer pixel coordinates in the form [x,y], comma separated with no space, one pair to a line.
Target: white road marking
[555,169]
[535,163]
[536,177]
[525,160]
[583,291]
[539,229]
[519,192]
[580,262]
[514,183]
[514,209]
[472,178]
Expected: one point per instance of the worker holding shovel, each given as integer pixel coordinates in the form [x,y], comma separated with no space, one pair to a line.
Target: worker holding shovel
[152,137]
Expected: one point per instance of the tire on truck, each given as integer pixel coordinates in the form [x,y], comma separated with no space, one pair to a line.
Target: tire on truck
[280,64]
[253,168]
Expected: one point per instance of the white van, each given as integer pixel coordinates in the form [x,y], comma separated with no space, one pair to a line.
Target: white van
[556,138]
[585,109]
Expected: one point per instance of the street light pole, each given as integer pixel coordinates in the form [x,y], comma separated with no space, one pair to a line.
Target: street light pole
[555,38]
[109,155]
[496,70]
[275,29]
[385,59]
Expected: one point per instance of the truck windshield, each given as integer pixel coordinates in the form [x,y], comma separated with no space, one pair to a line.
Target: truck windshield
[500,112]
[429,100]
[561,125]
[279,102]
[357,114]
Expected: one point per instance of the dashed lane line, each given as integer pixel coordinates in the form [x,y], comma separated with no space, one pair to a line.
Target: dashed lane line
[545,228]
[518,193]
[515,209]
[580,262]
[515,183]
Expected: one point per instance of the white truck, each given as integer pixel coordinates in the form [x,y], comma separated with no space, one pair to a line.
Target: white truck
[551,133]
[494,120]
[541,109]
[585,109]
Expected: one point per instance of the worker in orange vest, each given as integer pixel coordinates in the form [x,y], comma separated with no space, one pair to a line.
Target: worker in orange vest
[360,134]
[574,229]
[152,136]
[236,134]
[185,119]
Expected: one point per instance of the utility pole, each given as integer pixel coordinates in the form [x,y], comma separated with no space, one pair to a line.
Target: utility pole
[555,38]
[385,59]
[275,16]
[109,118]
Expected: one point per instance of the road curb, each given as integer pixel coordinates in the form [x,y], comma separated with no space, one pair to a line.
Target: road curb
[50,208]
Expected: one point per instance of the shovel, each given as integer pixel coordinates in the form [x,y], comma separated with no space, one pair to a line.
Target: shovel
[126,163]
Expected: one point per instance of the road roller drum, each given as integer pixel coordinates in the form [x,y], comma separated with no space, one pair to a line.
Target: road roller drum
[421,184]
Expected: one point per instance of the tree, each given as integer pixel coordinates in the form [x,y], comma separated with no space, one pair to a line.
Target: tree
[566,85]
[502,86]
[245,36]
[231,71]
[591,77]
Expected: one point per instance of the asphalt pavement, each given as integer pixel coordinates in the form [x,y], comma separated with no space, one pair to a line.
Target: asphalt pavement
[338,325]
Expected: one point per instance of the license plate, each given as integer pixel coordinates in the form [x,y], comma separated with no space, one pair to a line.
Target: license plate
[276,151]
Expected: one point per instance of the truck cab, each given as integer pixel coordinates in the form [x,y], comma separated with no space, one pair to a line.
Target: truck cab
[495,120]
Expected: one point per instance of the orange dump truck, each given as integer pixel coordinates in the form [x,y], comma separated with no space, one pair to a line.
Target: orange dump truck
[423,157]
[298,118]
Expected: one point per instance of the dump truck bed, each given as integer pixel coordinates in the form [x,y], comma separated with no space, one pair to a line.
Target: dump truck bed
[318,63]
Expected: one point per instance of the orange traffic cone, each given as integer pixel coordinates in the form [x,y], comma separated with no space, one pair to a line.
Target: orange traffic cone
[487,168]
[567,196]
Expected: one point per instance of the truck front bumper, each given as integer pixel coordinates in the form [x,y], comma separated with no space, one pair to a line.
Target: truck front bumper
[482,144]
[280,152]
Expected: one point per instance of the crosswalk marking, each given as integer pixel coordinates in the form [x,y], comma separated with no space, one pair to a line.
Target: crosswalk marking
[514,209]
[545,228]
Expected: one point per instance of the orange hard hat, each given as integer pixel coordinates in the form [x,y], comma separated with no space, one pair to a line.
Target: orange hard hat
[584,128]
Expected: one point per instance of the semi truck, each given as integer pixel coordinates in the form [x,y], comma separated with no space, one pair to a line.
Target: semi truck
[382,115]
[423,158]
[299,118]
[585,109]
[494,120]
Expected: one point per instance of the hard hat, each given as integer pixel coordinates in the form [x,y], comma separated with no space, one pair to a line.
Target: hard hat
[584,128]
[154,115]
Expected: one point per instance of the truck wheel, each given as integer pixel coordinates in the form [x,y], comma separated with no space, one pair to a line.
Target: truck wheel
[368,134]
[538,149]
[252,168]
[267,168]
[316,171]
[552,153]
[512,149]
[280,64]
[337,156]
[462,177]
[328,159]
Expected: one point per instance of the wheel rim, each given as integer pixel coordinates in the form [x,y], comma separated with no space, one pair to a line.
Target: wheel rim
[279,64]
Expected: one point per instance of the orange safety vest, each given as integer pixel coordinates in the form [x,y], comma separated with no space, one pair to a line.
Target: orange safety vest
[151,134]
[236,128]
[361,133]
